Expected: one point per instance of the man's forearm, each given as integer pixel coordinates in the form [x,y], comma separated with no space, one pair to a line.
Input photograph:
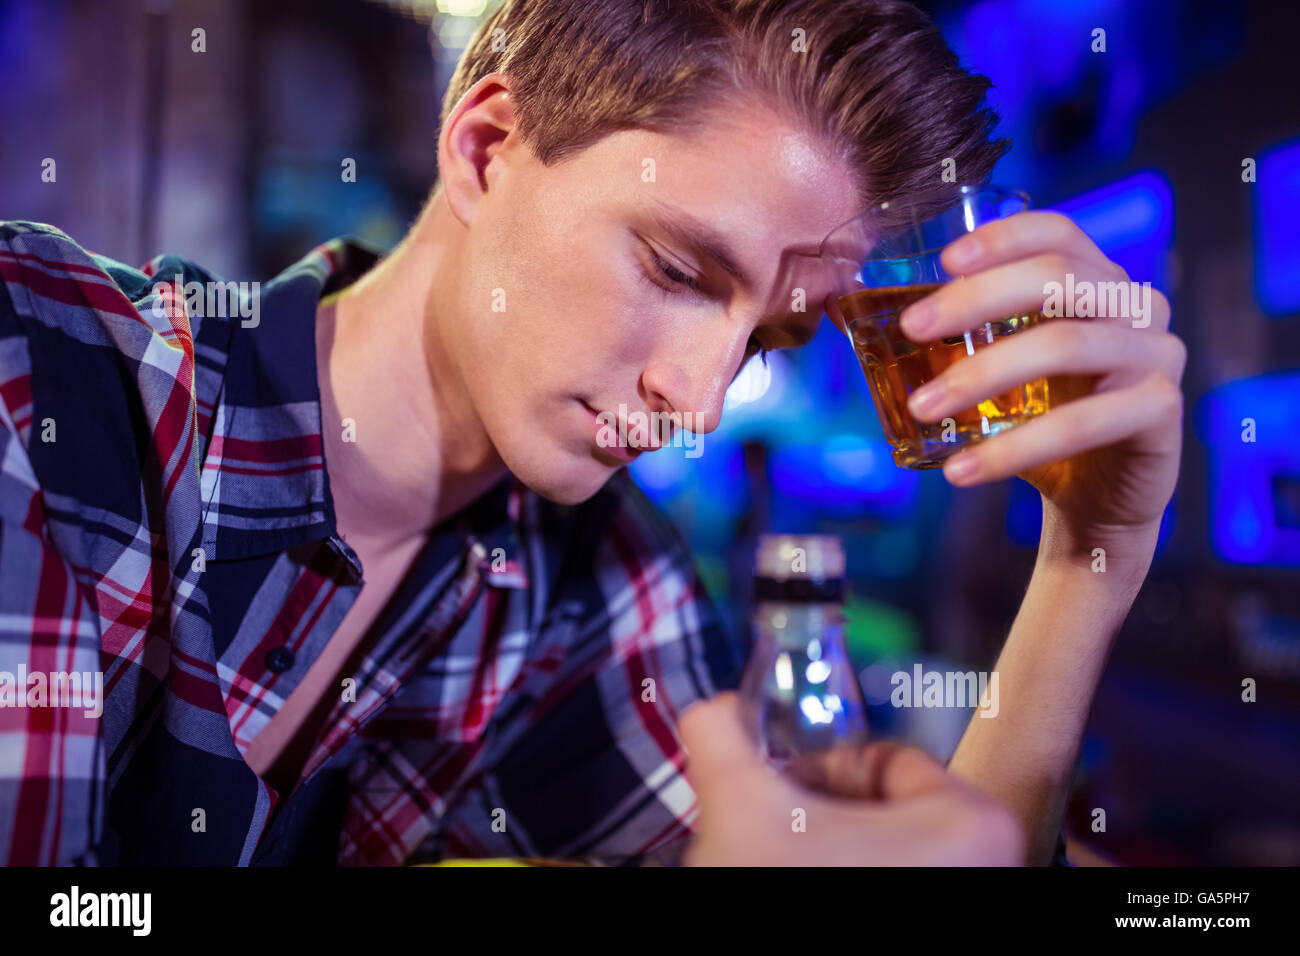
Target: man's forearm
[1047,676]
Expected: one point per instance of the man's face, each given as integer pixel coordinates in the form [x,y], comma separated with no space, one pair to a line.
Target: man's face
[577,294]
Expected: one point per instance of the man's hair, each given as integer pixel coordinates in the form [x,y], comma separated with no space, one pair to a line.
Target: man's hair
[874,79]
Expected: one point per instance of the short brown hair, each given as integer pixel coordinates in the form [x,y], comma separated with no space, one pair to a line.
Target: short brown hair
[876,81]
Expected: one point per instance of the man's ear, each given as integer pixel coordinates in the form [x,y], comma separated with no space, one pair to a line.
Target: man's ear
[474,133]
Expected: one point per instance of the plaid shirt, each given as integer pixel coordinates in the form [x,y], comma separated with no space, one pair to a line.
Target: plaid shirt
[166,520]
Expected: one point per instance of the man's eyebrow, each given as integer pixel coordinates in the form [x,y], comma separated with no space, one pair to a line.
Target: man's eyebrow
[695,232]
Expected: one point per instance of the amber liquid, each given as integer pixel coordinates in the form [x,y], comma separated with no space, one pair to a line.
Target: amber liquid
[896,366]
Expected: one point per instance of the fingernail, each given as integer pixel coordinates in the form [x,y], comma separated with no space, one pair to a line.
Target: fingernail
[960,467]
[917,319]
[965,251]
[928,397]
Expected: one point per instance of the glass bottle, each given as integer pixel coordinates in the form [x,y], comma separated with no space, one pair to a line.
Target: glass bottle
[799,692]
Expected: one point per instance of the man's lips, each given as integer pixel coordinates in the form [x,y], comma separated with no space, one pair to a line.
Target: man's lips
[601,431]
[626,449]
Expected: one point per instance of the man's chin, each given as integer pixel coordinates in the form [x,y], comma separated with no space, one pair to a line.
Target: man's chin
[568,486]
[566,496]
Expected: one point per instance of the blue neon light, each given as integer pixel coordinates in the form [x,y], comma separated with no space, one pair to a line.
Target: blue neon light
[1277,230]
[1132,221]
[1245,476]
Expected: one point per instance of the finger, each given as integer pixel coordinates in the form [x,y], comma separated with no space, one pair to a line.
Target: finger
[904,773]
[1024,287]
[842,772]
[1018,237]
[1055,347]
[716,742]
[1065,431]
[880,771]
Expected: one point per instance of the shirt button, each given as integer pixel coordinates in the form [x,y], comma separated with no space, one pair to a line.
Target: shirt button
[279,659]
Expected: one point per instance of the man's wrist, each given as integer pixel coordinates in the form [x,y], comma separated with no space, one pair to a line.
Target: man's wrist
[1127,550]
[1102,574]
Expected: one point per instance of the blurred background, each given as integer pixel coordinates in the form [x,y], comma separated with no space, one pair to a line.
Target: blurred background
[233,157]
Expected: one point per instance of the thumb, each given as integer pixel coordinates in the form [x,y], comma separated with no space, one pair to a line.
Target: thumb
[880,771]
[717,744]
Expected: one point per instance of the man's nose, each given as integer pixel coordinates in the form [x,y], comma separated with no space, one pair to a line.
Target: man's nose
[692,379]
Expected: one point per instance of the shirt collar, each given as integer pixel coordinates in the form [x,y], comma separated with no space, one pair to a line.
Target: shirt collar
[264,483]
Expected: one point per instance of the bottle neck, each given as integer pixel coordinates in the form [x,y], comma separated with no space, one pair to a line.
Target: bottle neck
[799,590]
[795,624]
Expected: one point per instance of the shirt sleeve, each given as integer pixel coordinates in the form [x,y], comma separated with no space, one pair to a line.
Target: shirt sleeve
[51,680]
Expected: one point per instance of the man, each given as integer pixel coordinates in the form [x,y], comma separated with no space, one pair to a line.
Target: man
[193,498]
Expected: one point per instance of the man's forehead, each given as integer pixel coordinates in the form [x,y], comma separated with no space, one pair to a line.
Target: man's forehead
[746,153]
[760,196]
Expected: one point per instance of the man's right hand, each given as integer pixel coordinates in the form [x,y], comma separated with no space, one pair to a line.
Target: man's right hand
[887,805]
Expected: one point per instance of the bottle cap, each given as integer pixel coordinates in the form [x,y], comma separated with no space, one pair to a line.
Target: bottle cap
[815,557]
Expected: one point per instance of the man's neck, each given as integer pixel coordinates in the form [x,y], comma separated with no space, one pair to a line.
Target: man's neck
[414,450]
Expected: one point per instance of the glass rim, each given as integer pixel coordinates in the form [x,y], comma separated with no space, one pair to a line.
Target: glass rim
[961,192]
